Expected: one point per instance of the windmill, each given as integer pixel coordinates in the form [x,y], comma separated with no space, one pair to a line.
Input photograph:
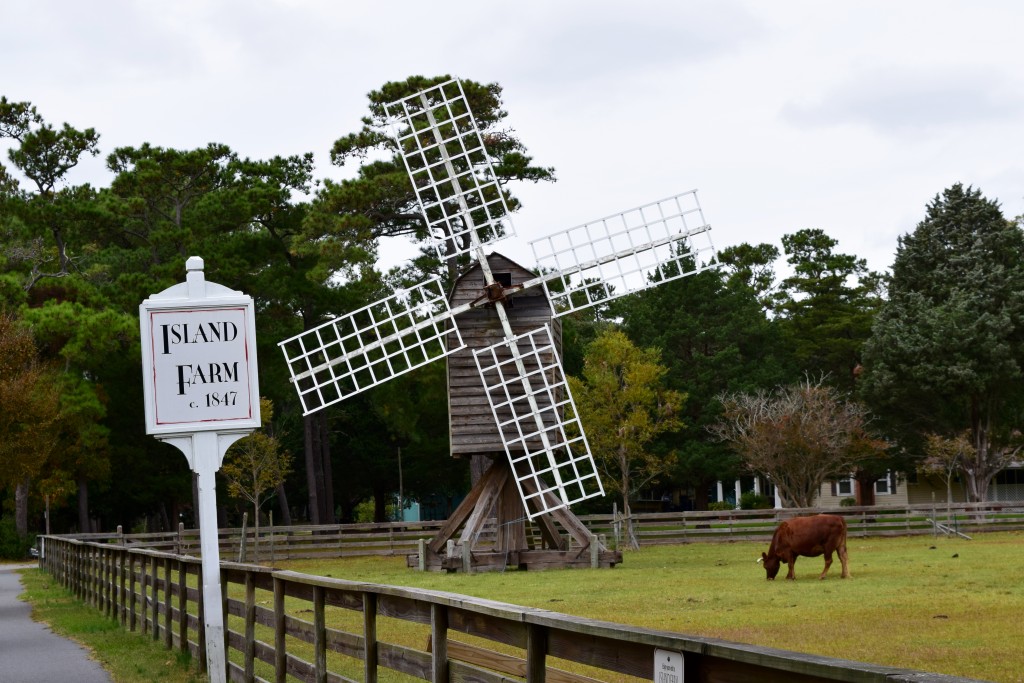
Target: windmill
[547,455]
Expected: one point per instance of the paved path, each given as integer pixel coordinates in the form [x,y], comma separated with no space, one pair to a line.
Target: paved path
[29,651]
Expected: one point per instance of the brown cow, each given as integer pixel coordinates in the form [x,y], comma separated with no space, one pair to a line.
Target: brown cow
[810,537]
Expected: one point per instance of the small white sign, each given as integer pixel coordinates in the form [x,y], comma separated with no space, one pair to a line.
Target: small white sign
[199,358]
[668,666]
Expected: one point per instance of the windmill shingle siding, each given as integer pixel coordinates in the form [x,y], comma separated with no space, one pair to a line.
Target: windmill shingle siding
[471,424]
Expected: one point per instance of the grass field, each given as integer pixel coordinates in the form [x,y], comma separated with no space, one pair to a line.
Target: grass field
[936,604]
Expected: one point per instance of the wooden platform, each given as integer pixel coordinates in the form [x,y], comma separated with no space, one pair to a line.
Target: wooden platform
[494,501]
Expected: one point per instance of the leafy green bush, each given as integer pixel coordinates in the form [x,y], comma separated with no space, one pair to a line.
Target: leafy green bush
[754,501]
[721,505]
[848,502]
[363,512]
[12,546]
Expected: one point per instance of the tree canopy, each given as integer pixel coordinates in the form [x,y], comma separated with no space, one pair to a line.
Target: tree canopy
[948,345]
[936,348]
[798,436]
[624,404]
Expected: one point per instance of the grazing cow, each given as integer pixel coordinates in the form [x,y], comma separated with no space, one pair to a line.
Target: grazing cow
[810,537]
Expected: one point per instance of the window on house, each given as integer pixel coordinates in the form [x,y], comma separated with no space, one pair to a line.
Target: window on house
[844,487]
[885,486]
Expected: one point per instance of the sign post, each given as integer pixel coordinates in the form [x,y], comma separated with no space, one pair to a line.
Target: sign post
[201,395]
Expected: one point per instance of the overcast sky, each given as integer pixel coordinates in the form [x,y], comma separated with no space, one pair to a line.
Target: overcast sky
[848,117]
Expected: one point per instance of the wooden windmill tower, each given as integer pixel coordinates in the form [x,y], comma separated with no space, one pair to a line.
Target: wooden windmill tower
[548,464]
[474,431]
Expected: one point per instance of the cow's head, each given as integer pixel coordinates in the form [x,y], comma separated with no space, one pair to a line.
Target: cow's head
[771,565]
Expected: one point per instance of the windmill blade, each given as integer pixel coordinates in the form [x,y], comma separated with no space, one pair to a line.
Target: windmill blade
[458,192]
[624,253]
[362,349]
[529,397]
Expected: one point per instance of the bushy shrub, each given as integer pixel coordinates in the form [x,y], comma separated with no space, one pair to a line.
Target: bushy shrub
[754,501]
[12,546]
[848,502]
[363,512]
[721,505]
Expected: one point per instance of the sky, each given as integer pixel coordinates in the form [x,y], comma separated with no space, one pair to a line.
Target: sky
[849,117]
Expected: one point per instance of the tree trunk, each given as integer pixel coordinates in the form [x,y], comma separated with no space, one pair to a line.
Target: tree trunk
[314,472]
[865,489]
[700,496]
[256,531]
[327,480]
[84,524]
[282,503]
[21,507]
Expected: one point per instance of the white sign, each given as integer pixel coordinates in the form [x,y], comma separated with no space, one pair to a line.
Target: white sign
[202,394]
[199,358]
[668,666]
[200,365]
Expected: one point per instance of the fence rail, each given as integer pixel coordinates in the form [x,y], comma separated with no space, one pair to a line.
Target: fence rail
[281,625]
[274,544]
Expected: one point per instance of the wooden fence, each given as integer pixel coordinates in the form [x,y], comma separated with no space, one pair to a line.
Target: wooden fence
[281,625]
[280,543]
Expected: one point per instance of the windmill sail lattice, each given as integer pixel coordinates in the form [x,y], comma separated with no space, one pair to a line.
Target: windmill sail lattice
[464,208]
[444,154]
[358,351]
[624,253]
[544,482]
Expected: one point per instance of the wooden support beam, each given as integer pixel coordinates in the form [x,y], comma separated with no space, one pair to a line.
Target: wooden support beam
[491,486]
[461,513]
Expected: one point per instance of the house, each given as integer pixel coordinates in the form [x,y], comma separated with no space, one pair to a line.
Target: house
[896,488]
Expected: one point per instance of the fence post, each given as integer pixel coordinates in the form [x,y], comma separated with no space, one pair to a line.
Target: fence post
[107,578]
[438,643]
[594,552]
[616,525]
[536,653]
[250,625]
[168,607]
[144,607]
[271,520]
[156,600]
[182,605]
[369,638]
[280,654]
[124,586]
[244,537]
[319,636]
[131,595]
[422,547]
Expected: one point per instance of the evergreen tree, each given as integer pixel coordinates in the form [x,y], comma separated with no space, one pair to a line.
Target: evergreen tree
[826,307]
[714,336]
[947,348]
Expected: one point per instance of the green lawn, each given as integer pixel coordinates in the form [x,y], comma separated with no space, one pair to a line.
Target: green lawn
[936,604]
